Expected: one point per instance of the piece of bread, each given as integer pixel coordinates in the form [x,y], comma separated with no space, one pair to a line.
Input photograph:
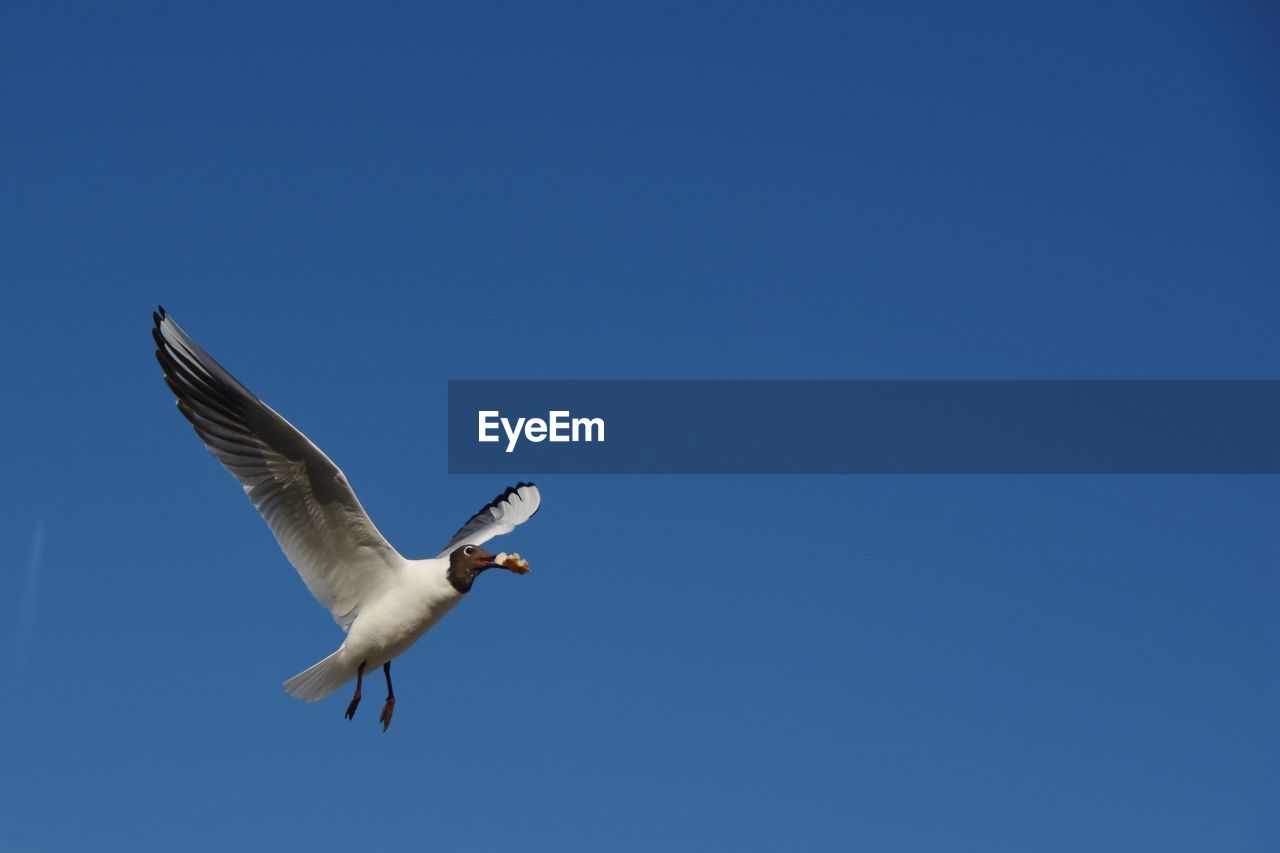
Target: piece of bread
[513,562]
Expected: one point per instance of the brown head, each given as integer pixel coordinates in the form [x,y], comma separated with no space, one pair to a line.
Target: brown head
[466,562]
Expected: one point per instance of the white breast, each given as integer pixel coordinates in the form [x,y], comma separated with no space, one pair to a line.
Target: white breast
[406,610]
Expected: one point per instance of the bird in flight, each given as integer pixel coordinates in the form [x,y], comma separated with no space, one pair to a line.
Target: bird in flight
[383,601]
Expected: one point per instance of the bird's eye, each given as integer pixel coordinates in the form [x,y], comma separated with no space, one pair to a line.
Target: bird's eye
[468,551]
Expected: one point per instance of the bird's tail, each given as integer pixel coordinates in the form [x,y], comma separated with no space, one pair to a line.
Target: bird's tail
[317,682]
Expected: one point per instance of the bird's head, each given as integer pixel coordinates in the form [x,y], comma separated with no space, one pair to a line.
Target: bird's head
[466,562]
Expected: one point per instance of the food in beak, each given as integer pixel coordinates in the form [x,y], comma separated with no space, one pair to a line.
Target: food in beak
[512,562]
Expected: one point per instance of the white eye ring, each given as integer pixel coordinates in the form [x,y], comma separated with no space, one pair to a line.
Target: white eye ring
[468,550]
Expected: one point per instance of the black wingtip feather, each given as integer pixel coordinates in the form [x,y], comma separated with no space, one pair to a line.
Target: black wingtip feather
[511,490]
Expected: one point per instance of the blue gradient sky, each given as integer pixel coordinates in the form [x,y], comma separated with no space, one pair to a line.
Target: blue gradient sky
[349,207]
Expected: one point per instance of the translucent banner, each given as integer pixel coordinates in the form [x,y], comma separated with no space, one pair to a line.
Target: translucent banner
[523,428]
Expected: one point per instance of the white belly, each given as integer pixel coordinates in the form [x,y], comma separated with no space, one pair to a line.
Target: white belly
[387,628]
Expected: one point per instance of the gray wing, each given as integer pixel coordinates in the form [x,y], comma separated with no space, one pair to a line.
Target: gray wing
[515,506]
[301,494]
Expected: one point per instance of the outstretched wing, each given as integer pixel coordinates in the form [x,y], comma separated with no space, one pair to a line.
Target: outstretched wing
[304,498]
[501,515]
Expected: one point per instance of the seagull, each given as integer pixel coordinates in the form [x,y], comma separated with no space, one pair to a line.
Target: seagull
[384,602]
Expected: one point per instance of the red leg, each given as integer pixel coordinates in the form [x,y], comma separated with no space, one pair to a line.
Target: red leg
[355,700]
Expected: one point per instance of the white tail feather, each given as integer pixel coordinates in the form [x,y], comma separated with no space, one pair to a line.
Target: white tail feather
[317,682]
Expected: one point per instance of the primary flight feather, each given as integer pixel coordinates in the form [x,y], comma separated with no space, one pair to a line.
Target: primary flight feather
[383,601]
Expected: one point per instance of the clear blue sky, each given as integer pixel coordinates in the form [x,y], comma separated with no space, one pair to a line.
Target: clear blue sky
[350,206]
